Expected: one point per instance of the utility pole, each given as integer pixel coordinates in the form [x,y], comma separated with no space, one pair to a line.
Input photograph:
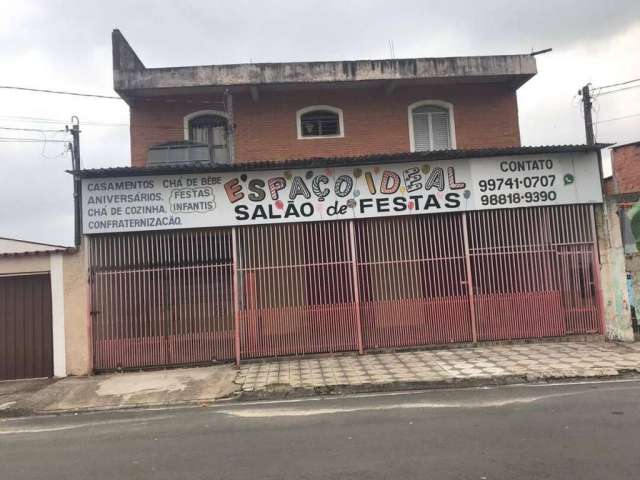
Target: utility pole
[588,122]
[77,185]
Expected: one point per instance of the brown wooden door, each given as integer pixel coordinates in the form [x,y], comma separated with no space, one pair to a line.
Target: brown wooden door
[26,344]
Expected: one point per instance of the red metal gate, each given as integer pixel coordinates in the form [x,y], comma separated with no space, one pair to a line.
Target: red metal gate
[182,297]
[413,281]
[161,298]
[296,289]
[533,272]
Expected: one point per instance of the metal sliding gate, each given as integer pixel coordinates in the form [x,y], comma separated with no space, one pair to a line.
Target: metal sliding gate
[161,298]
[194,296]
[297,290]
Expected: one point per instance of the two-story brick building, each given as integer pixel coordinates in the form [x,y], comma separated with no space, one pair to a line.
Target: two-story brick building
[292,208]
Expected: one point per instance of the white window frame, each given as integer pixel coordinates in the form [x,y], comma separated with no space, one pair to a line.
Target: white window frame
[435,103]
[191,116]
[328,108]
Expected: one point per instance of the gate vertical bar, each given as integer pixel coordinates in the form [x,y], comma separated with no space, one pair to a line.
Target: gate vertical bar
[236,293]
[467,261]
[596,268]
[356,289]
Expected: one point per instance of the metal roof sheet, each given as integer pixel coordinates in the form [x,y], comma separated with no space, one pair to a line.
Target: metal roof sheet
[381,158]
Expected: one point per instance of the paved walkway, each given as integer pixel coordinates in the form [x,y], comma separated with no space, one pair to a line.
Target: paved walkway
[322,374]
[486,363]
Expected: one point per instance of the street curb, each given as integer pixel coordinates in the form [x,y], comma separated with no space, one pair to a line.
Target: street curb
[281,392]
[285,392]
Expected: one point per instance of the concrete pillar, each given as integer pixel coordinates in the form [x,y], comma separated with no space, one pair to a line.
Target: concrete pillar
[57,315]
[76,312]
[617,314]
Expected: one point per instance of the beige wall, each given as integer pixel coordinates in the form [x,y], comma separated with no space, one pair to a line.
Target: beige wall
[76,312]
[24,264]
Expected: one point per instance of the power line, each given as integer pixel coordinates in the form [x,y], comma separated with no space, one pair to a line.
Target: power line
[111,97]
[59,92]
[29,140]
[617,90]
[31,129]
[617,84]
[617,118]
[93,123]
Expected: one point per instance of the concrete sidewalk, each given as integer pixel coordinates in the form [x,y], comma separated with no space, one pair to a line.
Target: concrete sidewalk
[183,386]
[326,374]
[482,365]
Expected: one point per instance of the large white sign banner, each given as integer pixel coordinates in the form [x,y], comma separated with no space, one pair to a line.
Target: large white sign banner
[311,194]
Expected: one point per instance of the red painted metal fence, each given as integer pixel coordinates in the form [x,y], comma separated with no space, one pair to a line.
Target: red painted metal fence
[533,272]
[161,298]
[411,272]
[296,289]
[183,297]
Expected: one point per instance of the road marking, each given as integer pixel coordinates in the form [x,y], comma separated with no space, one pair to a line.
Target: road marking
[57,428]
[242,411]
[4,406]
[301,412]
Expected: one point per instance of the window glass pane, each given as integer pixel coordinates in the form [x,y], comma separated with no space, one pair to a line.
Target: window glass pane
[211,130]
[319,123]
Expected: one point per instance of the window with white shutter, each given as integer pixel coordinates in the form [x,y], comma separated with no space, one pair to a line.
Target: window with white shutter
[431,128]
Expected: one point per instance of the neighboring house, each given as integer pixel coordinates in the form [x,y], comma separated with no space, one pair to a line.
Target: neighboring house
[294,208]
[623,188]
[32,342]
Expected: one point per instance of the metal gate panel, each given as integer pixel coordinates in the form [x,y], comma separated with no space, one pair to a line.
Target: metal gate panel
[161,298]
[26,336]
[296,289]
[533,272]
[412,279]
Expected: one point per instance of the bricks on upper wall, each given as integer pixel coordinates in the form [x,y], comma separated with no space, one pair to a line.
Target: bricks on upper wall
[485,115]
[625,163]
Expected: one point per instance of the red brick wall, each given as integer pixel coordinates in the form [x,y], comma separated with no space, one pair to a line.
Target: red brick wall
[625,162]
[485,115]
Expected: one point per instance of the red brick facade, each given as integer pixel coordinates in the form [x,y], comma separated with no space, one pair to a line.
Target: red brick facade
[625,162]
[485,115]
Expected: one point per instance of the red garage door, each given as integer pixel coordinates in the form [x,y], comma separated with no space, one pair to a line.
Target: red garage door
[26,345]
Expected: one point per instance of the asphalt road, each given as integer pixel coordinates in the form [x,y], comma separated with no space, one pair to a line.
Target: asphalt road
[585,431]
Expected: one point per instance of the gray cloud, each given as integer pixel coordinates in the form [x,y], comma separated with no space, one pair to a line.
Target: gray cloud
[47,44]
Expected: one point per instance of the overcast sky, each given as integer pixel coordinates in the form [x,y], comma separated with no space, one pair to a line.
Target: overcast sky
[66,45]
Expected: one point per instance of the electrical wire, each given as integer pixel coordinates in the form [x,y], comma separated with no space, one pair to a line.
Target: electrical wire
[93,123]
[111,97]
[617,118]
[30,140]
[599,94]
[617,84]
[58,92]
[30,129]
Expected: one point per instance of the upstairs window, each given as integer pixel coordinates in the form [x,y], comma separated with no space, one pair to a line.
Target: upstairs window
[212,129]
[431,126]
[320,121]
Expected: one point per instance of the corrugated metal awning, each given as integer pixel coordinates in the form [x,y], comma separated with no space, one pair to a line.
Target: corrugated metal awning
[334,161]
